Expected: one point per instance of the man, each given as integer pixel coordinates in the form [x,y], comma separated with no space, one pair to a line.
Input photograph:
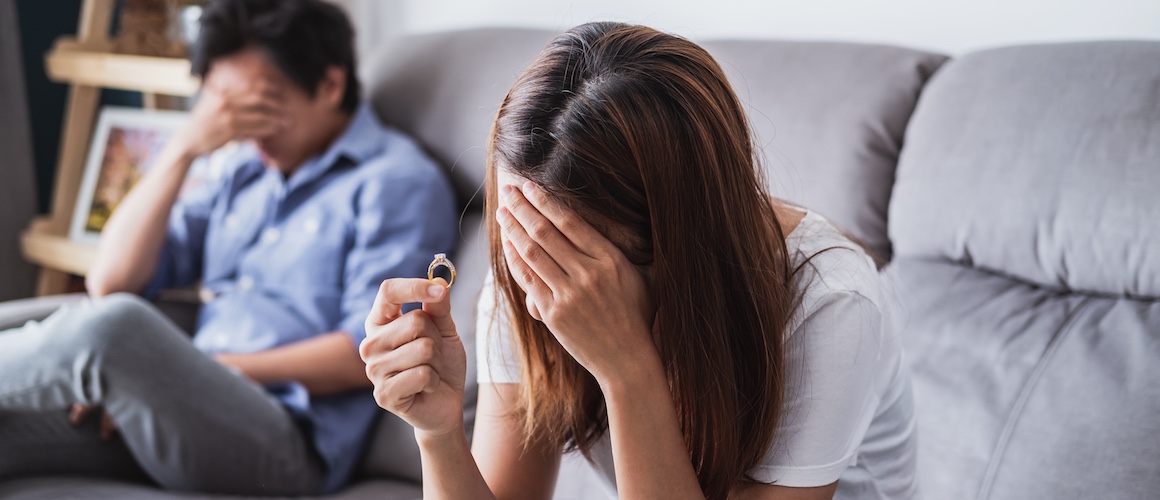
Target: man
[320,206]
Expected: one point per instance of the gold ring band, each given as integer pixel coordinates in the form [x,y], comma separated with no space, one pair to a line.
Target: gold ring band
[441,260]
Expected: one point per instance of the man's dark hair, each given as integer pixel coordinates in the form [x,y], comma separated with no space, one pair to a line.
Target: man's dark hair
[302,38]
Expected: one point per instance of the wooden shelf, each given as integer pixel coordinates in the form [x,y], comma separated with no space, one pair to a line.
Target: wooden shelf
[73,63]
[57,252]
[87,63]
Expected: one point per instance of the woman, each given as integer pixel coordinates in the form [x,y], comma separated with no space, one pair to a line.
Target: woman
[650,304]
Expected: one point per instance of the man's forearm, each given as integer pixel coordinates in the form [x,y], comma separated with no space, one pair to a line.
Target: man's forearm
[325,364]
[131,240]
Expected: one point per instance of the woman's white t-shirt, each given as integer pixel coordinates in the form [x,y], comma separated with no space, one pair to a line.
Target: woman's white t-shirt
[849,415]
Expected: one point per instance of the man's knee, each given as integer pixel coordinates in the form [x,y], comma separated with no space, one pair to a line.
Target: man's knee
[123,305]
[107,321]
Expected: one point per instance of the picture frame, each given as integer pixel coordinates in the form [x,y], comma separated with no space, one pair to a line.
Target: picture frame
[125,146]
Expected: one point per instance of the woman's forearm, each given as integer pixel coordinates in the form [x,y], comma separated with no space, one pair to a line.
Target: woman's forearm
[131,240]
[449,469]
[648,449]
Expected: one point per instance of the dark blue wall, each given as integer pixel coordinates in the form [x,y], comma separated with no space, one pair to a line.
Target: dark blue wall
[41,22]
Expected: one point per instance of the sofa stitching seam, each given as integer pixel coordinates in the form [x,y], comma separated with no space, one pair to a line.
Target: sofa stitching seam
[1013,418]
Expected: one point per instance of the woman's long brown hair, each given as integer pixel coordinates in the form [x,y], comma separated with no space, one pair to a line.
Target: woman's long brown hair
[641,134]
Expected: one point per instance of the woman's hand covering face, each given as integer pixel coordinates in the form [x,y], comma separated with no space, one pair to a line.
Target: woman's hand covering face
[593,300]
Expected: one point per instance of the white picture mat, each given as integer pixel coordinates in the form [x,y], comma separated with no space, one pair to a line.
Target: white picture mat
[165,122]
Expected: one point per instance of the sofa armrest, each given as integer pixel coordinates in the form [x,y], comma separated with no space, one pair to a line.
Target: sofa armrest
[14,313]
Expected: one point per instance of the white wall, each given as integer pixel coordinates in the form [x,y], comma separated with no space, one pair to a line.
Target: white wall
[948,26]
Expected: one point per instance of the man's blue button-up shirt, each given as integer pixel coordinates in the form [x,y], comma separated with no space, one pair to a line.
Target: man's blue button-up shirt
[285,259]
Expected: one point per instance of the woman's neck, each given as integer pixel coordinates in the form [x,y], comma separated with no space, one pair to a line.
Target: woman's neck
[788,215]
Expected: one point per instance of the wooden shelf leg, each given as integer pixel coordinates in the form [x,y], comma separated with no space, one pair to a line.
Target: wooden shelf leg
[52,282]
[78,128]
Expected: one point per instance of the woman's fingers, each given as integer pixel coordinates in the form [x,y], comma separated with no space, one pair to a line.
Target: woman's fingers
[398,354]
[421,351]
[579,233]
[397,393]
[395,292]
[539,229]
[439,310]
[407,328]
[530,251]
[394,342]
[533,309]
[525,276]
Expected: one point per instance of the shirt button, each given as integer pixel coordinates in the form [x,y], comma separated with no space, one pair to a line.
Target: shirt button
[311,226]
[245,283]
[270,235]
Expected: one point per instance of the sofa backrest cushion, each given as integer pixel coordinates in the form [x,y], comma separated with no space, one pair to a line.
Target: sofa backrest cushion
[1040,162]
[444,90]
[829,119]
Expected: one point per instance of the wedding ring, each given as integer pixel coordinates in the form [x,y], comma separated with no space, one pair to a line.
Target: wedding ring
[441,260]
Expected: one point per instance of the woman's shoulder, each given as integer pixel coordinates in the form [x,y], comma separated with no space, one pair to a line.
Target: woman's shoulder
[843,358]
[829,266]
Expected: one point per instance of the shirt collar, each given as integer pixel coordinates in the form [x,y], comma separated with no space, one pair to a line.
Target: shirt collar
[363,138]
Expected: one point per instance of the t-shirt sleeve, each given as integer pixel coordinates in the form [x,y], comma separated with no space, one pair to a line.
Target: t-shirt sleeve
[830,398]
[496,360]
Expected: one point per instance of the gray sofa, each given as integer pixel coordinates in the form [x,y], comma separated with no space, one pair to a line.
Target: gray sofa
[1013,195]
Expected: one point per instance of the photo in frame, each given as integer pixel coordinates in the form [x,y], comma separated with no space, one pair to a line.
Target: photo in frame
[125,146]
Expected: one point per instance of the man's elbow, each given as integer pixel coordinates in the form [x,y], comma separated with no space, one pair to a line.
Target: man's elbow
[97,285]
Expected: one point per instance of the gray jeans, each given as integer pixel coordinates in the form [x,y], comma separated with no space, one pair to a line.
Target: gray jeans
[185,421]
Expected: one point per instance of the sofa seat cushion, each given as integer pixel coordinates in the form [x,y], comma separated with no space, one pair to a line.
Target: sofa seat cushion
[59,488]
[1025,392]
